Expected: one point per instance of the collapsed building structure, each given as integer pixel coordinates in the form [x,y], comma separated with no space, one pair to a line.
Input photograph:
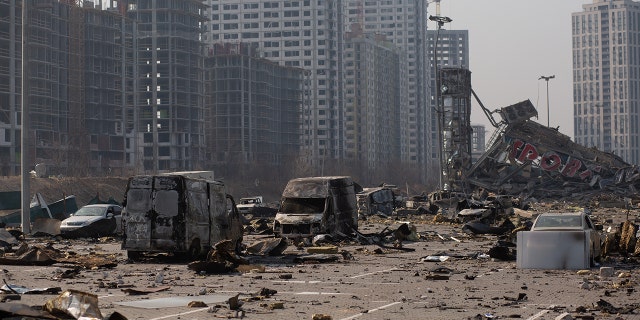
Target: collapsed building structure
[528,159]
[524,158]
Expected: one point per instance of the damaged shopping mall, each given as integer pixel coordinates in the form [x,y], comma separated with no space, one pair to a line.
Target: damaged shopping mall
[524,158]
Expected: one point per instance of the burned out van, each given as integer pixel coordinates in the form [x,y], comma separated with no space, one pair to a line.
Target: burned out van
[183,212]
[317,205]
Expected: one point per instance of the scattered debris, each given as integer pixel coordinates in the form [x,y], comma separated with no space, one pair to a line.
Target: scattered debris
[74,303]
[136,291]
[222,258]
[12,288]
[439,273]
[270,247]
[170,302]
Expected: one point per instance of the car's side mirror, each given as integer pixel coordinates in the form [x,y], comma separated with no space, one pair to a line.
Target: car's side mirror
[599,227]
[109,214]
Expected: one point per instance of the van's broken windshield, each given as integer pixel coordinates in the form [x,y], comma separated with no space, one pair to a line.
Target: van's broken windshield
[303,205]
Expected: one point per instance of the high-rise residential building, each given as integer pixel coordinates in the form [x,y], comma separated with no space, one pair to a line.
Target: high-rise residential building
[169,105]
[452,52]
[253,107]
[374,74]
[404,23]
[478,141]
[76,102]
[606,77]
[295,33]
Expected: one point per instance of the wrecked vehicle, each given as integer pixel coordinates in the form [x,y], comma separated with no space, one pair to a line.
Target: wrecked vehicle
[248,205]
[317,205]
[559,241]
[379,200]
[183,212]
[106,218]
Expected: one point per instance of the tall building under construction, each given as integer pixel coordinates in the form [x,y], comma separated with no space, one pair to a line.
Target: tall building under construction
[114,88]
[168,102]
[78,57]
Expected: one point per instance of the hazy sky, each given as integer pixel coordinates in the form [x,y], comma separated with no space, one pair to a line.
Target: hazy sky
[511,44]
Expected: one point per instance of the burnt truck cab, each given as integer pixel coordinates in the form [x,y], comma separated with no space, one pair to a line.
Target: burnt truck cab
[184,213]
[317,205]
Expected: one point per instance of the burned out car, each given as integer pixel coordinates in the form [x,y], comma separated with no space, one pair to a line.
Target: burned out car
[560,241]
[317,205]
[249,205]
[380,200]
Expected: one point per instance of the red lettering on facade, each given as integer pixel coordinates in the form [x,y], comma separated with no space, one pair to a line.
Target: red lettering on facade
[550,161]
[514,150]
[571,167]
[529,152]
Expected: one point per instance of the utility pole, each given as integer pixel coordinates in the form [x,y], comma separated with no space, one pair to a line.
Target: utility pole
[24,138]
[547,78]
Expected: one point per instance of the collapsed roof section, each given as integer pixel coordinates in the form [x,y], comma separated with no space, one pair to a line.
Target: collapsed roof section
[528,159]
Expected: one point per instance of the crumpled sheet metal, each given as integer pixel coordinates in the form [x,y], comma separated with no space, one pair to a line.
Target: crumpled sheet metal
[78,304]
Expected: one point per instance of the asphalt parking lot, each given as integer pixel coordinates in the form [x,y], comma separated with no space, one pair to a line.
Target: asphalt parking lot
[367,282]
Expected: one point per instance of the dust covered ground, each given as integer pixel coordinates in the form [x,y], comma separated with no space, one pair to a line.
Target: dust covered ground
[365,282]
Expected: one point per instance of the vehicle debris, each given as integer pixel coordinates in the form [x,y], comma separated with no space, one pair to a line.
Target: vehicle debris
[253,206]
[559,241]
[317,205]
[272,247]
[184,213]
[222,258]
[74,303]
[379,200]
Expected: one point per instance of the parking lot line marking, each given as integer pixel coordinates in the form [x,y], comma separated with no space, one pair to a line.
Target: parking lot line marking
[372,310]
[180,314]
[298,281]
[319,293]
[331,282]
[370,273]
[541,313]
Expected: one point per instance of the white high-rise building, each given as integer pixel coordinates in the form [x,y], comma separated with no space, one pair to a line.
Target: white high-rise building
[606,77]
[404,23]
[305,34]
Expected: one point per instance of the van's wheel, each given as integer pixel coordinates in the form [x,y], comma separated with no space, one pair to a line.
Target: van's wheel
[133,255]
[195,250]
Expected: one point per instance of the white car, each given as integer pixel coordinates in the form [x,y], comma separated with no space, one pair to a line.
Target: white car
[249,204]
[574,221]
[97,214]
[559,241]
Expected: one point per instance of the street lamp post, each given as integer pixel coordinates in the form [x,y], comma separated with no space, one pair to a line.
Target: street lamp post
[440,21]
[24,140]
[547,78]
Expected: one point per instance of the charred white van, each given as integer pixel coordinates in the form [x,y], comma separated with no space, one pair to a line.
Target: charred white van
[317,205]
[183,212]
